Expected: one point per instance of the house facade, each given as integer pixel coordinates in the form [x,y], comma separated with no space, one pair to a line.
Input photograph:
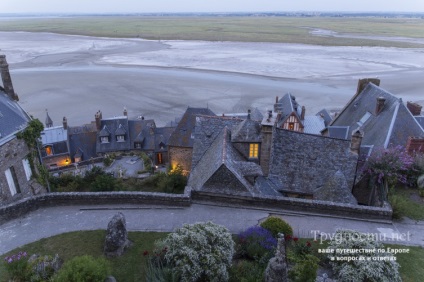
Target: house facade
[15,170]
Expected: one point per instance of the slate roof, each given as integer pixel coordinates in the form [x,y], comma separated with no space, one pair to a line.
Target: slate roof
[52,135]
[326,116]
[420,120]
[313,124]
[286,106]
[111,125]
[12,118]
[82,141]
[246,131]
[162,136]
[339,132]
[221,154]
[182,135]
[142,131]
[206,130]
[392,125]
[255,114]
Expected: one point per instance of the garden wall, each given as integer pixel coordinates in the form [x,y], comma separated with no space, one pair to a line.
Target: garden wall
[24,206]
[296,204]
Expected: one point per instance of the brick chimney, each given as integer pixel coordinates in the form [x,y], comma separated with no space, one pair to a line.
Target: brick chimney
[362,83]
[7,80]
[379,106]
[414,108]
[355,143]
[415,145]
[65,123]
[98,117]
[302,114]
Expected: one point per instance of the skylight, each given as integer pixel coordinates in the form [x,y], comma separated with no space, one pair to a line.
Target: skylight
[364,118]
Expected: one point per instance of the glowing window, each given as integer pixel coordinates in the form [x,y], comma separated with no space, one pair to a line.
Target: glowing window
[291,125]
[48,150]
[253,150]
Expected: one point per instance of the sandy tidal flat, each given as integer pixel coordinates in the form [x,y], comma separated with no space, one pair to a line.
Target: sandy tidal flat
[74,76]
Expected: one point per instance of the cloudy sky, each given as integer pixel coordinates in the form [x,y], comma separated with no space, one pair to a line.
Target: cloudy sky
[125,6]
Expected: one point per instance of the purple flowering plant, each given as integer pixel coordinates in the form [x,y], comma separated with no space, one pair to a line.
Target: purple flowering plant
[17,266]
[392,164]
[256,242]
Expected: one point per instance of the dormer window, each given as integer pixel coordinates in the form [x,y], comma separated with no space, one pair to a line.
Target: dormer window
[104,139]
[120,138]
[120,134]
[253,151]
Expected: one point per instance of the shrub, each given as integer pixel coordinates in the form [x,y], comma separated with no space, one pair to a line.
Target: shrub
[201,251]
[276,225]
[305,269]
[17,266]
[104,182]
[368,266]
[257,243]
[42,268]
[83,269]
[107,161]
[398,203]
[246,271]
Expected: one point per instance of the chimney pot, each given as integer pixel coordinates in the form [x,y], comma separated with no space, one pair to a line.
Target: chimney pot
[380,105]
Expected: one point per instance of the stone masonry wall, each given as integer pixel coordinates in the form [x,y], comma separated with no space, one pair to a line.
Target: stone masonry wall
[181,156]
[11,154]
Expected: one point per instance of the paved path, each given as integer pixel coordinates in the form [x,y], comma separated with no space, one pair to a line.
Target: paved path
[47,222]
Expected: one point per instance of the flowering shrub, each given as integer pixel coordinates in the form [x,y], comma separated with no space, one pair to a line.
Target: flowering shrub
[369,266]
[17,266]
[257,243]
[201,251]
[392,163]
[277,225]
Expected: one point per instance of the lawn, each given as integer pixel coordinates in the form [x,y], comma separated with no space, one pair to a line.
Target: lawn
[407,202]
[245,29]
[130,267]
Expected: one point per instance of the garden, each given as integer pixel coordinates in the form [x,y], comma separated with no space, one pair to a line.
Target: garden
[208,252]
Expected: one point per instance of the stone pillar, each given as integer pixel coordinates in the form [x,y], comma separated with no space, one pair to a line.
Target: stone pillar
[7,80]
[276,271]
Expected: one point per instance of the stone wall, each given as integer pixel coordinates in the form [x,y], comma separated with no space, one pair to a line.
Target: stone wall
[11,155]
[24,206]
[181,156]
[295,204]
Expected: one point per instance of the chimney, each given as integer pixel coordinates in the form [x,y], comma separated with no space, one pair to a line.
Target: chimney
[65,123]
[302,114]
[98,117]
[355,143]
[362,83]
[276,99]
[379,105]
[414,108]
[248,114]
[7,80]
[125,112]
[142,118]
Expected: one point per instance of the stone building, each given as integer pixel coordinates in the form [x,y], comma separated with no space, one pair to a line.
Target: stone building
[383,118]
[181,140]
[15,170]
[246,157]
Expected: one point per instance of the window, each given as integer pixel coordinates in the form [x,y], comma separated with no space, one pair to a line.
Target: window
[120,138]
[104,139]
[12,181]
[48,150]
[160,158]
[364,118]
[137,145]
[253,150]
[291,125]
[27,169]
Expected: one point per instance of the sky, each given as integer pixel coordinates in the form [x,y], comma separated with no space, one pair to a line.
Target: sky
[149,6]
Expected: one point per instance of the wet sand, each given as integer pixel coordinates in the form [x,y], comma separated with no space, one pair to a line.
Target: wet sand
[74,76]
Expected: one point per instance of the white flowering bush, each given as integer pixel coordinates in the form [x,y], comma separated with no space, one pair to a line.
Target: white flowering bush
[365,264]
[201,251]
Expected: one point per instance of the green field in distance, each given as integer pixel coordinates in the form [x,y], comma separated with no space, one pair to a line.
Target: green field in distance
[243,29]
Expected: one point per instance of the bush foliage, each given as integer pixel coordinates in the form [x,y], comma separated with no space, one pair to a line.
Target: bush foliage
[201,251]
[276,225]
[374,267]
[83,269]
